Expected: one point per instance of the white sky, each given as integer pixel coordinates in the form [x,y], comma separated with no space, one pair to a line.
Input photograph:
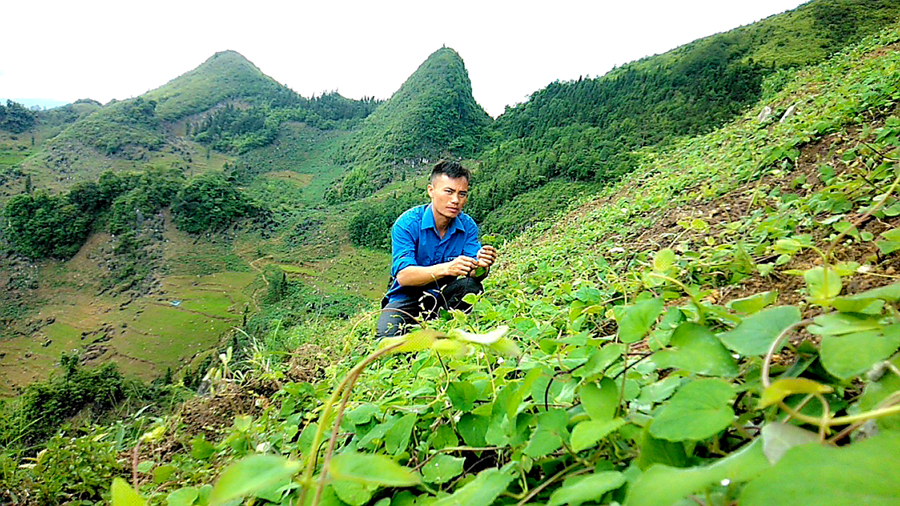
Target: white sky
[102,50]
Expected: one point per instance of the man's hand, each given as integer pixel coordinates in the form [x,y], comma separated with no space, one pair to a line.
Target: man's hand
[460,266]
[486,256]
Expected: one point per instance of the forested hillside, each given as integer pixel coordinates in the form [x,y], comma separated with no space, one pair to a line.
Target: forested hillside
[695,301]
[586,130]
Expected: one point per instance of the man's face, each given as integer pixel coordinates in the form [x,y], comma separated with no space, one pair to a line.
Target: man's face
[448,195]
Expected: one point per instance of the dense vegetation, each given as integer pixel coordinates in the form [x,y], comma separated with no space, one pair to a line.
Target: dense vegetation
[233,129]
[15,117]
[715,328]
[42,226]
[210,203]
[714,323]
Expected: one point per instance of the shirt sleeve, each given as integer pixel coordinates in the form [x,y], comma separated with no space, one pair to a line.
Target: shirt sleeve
[472,245]
[403,247]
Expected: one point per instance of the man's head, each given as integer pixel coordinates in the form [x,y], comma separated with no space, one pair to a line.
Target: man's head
[449,188]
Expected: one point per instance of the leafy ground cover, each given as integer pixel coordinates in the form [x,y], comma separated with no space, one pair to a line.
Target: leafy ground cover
[719,327]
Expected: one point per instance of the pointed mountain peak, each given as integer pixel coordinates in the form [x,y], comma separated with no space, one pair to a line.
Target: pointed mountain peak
[432,113]
[224,75]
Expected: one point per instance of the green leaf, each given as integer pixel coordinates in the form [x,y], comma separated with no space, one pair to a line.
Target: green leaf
[890,293]
[779,437]
[183,497]
[754,303]
[201,449]
[756,333]
[396,439]
[853,354]
[861,473]
[694,348]
[124,495]
[514,403]
[251,474]
[353,493]
[443,437]
[442,469]
[462,394]
[586,488]
[600,359]
[304,443]
[417,340]
[663,260]
[842,323]
[822,284]
[701,409]
[473,428]
[588,294]
[781,388]
[549,434]
[162,474]
[145,466]
[482,491]
[892,242]
[373,469]
[362,414]
[660,451]
[663,485]
[587,433]
[242,423]
[636,320]
[600,401]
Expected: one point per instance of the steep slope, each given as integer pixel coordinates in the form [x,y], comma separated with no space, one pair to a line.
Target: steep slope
[585,130]
[432,114]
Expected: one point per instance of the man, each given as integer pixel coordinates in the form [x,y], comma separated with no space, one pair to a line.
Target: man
[435,254]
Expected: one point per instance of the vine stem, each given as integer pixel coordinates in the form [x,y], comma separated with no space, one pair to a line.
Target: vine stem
[888,401]
[841,420]
[537,490]
[775,344]
[134,465]
[326,414]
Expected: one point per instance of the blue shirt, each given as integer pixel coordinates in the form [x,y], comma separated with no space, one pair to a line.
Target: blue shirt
[415,241]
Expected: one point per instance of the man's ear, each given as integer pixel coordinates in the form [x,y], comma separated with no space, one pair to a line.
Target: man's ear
[430,190]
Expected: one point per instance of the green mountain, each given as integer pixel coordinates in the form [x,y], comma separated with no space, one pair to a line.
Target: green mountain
[226,75]
[433,114]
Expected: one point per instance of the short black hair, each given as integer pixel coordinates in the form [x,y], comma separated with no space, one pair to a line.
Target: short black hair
[451,169]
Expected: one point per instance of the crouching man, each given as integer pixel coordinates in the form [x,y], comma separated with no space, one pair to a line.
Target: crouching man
[436,257]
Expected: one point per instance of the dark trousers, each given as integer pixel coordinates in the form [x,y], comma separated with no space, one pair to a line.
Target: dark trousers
[397,316]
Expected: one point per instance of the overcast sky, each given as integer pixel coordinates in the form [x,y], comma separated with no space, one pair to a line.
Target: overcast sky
[103,50]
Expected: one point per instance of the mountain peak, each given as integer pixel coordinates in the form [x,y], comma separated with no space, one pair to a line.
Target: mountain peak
[433,114]
[224,75]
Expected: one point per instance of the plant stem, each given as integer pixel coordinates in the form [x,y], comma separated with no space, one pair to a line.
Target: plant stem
[784,333]
[326,413]
[537,490]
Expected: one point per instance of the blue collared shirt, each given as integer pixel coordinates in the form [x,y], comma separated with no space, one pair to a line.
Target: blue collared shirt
[415,241]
